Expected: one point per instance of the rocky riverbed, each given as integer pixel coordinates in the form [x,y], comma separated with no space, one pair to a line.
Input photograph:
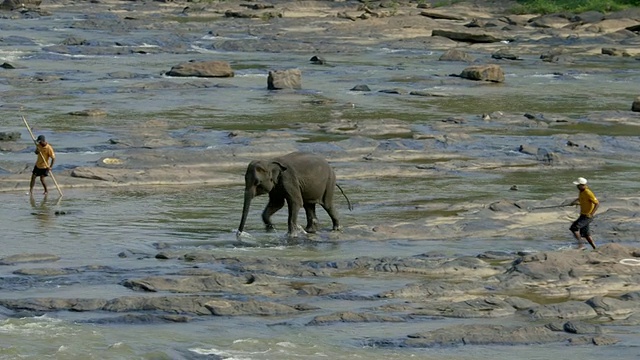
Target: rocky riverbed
[564,296]
[445,124]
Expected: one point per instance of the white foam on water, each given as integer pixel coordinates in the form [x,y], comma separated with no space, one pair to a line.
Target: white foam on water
[253,341]
[76,56]
[286,344]
[229,354]
[203,50]
[11,55]
[546,75]
[251,75]
[36,326]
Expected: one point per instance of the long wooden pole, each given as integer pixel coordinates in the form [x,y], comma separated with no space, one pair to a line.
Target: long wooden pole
[42,156]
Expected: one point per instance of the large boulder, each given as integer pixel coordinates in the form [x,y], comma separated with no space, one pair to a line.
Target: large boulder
[489,72]
[202,69]
[284,79]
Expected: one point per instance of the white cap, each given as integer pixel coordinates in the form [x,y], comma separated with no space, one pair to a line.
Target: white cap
[580,181]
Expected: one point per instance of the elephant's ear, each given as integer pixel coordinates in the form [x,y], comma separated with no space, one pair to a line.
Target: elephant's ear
[276,170]
[280,165]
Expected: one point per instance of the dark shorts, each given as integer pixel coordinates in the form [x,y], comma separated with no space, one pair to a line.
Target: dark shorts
[40,172]
[582,224]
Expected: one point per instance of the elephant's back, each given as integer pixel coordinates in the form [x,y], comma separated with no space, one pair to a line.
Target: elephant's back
[304,162]
[312,172]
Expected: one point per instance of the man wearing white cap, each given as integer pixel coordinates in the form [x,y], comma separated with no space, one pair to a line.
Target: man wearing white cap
[588,206]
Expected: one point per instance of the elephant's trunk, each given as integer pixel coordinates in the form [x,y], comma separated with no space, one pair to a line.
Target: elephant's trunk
[249,194]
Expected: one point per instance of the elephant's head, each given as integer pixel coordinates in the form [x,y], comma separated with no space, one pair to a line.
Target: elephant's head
[261,177]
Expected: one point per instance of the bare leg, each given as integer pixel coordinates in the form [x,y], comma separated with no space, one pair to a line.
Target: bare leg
[590,241]
[576,234]
[32,183]
[44,184]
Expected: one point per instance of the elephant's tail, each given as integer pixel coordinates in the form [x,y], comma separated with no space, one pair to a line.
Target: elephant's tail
[345,196]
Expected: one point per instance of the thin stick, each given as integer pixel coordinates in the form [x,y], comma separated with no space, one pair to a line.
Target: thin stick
[549,207]
[42,156]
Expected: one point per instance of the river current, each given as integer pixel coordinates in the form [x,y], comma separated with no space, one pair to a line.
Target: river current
[98,224]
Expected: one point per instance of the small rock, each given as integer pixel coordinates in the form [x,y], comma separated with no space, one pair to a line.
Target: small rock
[318,60]
[360,88]
[504,55]
[9,135]
[456,55]
[615,52]
[636,105]
[89,113]
[604,340]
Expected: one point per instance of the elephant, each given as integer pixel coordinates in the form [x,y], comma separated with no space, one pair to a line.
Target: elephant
[299,178]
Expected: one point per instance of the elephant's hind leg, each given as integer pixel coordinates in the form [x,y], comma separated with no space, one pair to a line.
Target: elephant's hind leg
[312,219]
[333,214]
[272,207]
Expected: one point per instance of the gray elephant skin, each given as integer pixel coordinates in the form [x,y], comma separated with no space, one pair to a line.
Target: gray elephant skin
[301,179]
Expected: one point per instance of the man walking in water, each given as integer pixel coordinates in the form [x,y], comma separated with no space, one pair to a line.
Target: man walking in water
[588,206]
[44,151]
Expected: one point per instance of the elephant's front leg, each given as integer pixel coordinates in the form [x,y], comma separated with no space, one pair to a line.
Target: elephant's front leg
[294,208]
[312,219]
[275,203]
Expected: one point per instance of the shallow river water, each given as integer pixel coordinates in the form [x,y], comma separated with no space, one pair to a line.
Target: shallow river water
[98,224]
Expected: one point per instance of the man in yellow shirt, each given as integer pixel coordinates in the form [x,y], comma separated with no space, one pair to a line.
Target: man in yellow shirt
[588,206]
[45,153]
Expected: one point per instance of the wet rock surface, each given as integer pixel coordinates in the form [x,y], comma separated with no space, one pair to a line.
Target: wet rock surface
[594,289]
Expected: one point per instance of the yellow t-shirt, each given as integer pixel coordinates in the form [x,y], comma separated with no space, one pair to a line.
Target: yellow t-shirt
[587,201]
[47,153]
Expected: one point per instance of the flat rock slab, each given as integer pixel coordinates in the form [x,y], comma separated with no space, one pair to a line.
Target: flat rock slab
[28,258]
